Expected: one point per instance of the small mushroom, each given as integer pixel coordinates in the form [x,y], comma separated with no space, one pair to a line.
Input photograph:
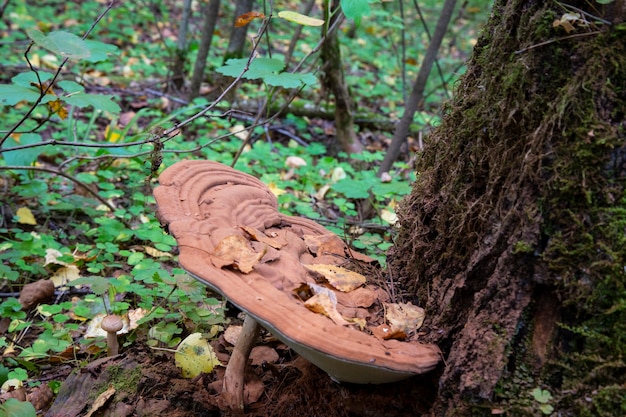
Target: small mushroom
[222,219]
[112,324]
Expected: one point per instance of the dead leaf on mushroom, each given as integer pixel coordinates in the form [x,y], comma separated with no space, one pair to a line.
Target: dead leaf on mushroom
[259,236]
[404,317]
[324,302]
[340,278]
[236,251]
[327,244]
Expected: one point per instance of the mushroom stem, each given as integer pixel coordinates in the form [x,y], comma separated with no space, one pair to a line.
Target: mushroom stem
[235,371]
[112,324]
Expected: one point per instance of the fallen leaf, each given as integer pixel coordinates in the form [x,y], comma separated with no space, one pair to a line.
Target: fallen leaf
[340,278]
[52,257]
[404,317]
[327,244]
[389,216]
[155,253]
[235,251]
[300,18]
[360,297]
[263,354]
[231,334]
[194,356]
[25,216]
[324,302]
[64,275]
[385,332]
[259,236]
[246,18]
[101,401]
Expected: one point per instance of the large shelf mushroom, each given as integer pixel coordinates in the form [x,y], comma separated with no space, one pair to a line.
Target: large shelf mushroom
[233,238]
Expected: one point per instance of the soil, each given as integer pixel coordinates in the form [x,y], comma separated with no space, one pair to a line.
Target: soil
[145,382]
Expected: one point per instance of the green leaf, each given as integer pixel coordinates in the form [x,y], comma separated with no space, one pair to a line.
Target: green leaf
[289,80]
[15,408]
[22,157]
[352,188]
[355,9]
[541,395]
[70,87]
[259,67]
[11,94]
[300,18]
[99,285]
[60,42]
[25,79]
[268,70]
[99,50]
[97,101]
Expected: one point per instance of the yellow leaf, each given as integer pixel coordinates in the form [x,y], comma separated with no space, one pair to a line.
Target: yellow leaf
[25,216]
[56,106]
[112,135]
[340,278]
[300,18]
[194,356]
[64,275]
[275,190]
[155,253]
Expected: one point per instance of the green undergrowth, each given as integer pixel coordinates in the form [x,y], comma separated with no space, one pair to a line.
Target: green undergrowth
[77,205]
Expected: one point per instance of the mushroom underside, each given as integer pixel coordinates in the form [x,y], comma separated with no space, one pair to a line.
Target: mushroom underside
[233,238]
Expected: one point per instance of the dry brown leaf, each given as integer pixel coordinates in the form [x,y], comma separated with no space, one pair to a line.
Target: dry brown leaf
[327,244]
[263,354]
[236,251]
[259,236]
[325,302]
[360,297]
[231,334]
[101,401]
[246,18]
[404,317]
[340,278]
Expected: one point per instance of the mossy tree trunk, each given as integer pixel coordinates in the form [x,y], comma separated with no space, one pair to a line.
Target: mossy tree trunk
[514,237]
[333,80]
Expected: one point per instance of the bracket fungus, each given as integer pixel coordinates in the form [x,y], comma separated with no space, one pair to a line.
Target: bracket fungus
[233,238]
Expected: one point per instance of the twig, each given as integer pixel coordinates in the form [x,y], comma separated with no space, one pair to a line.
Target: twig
[577,35]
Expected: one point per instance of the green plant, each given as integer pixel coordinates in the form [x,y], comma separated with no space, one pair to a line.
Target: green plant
[544,398]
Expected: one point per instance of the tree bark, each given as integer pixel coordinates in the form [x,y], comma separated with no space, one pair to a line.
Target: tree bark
[513,237]
[178,67]
[237,40]
[333,80]
[210,20]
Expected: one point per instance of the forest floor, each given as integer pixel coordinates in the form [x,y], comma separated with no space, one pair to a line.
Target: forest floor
[147,383]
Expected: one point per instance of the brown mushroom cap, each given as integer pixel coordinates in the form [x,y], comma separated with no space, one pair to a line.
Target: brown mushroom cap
[204,202]
[112,323]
